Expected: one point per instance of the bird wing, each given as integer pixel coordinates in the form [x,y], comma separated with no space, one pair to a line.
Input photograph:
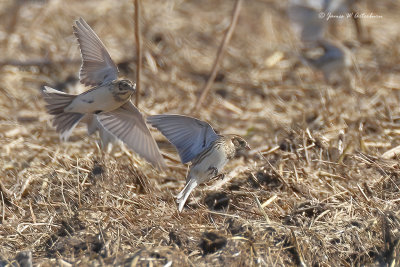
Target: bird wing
[306,22]
[97,66]
[190,136]
[128,125]
[338,6]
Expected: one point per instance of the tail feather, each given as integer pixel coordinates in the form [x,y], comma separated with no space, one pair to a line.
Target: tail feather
[56,100]
[63,121]
[54,109]
[184,194]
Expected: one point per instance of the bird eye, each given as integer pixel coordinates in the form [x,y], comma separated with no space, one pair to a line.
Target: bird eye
[239,142]
[123,86]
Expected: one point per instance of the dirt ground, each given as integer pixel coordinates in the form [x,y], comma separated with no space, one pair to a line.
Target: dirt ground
[315,189]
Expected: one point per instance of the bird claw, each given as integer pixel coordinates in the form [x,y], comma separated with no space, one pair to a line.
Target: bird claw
[220,176]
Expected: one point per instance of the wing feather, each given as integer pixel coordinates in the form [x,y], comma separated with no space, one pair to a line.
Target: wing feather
[97,66]
[127,124]
[305,21]
[190,136]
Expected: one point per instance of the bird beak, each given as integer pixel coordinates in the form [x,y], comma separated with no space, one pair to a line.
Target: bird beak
[247,147]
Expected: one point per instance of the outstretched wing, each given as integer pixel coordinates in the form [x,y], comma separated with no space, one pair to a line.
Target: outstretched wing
[128,125]
[190,136]
[97,66]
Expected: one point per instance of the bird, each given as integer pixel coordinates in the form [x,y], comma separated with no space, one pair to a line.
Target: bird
[197,143]
[311,18]
[106,105]
[335,62]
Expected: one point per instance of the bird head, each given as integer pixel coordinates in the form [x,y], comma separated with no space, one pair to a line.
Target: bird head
[125,87]
[239,143]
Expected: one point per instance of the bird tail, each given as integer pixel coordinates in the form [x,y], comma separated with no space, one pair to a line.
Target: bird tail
[64,122]
[184,194]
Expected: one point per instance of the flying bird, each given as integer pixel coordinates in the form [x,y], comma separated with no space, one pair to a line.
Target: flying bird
[108,100]
[197,142]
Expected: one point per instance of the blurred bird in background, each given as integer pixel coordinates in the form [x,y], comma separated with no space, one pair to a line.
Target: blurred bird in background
[334,63]
[312,19]
[309,20]
[197,142]
[106,106]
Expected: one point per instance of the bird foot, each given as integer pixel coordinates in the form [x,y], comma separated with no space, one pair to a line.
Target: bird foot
[220,176]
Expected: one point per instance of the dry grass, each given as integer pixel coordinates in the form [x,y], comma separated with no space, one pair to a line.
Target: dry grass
[319,195]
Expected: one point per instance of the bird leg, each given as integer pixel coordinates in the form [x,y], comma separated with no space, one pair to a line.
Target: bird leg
[218,176]
[213,171]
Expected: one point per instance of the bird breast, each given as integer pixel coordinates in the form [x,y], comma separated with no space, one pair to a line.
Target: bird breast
[214,157]
[95,100]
